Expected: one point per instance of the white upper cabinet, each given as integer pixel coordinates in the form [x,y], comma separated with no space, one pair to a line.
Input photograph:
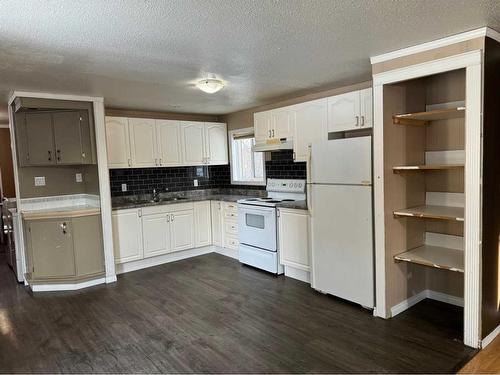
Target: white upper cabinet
[168,136]
[283,123]
[118,142]
[350,111]
[366,103]
[310,126]
[216,143]
[193,143]
[262,125]
[143,142]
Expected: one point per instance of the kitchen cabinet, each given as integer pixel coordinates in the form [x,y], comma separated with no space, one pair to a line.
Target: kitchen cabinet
[310,126]
[156,232]
[118,142]
[39,140]
[193,143]
[65,248]
[350,111]
[216,143]
[168,134]
[294,238]
[274,124]
[127,235]
[217,227]
[202,224]
[142,142]
[230,225]
[182,230]
[50,138]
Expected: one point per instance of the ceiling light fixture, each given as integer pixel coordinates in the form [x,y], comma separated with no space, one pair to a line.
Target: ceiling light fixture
[210,85]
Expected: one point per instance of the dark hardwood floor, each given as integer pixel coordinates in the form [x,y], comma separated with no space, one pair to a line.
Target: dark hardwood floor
[210,314]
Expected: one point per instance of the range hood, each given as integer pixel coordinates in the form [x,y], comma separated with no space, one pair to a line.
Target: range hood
[273,145]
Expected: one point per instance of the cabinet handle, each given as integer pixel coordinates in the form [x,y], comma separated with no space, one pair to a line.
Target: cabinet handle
[63,226]
[168,218]
[156,162]
[172,217]
[129,162]
[362,120]
[50,155]
[357,120]
[273,133]
[269,133]
[294,157]
[160,162]
[58,155]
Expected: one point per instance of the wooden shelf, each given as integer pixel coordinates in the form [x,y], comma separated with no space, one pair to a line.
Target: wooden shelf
[423,118]
[434,256]
[429,167]
[433,212]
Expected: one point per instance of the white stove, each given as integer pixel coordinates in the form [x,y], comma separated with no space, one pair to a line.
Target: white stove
[257,224]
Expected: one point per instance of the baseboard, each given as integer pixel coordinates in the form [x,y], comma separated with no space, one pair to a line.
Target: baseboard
[232,253]
[110,279]
[431,294]
[162,259]
[297,274]
[488,339]
[67,286]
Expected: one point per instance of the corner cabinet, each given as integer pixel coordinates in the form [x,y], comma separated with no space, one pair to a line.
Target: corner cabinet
[294,238]
[142,143]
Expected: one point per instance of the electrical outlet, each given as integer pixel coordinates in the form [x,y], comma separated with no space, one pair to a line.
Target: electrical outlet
[40,181]
[124,187]
[78,177]
[195,182]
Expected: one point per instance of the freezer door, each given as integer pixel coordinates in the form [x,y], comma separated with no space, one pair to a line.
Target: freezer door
[342,242]
[342,161]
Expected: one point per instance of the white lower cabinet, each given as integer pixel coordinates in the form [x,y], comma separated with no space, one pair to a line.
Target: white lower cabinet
[182,230]
[202,225]
[294,238]
[217,230]
[127,235]
[157,238]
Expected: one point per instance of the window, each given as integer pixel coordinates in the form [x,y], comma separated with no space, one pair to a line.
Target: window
[247,167]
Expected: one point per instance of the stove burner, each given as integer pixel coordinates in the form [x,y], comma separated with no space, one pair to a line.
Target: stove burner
[265,199]
[273,201]
[252,199]
[288,200]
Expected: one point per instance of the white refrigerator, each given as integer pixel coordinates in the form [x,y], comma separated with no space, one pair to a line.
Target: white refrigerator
[340,201]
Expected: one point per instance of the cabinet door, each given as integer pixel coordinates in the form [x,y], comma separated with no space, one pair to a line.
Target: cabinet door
[142,142]
[51,246]
[216,212]
[283,123]
[127,235]
[182,230]
[118,142]
[202,224]
[39,139]
[156,233]
[193,143]
[67,137]
[310,126]
[87,239]
[88,141]
[343,112]
[366,110]
[294,238]
[216,143]
[168,135]
[262,123]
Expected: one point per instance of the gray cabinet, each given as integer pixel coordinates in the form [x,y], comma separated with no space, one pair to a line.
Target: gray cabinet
[64,249]
[60,137]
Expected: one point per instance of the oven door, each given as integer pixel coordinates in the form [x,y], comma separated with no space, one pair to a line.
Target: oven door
[257,226]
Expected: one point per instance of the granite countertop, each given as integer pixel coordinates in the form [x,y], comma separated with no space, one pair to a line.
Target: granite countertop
[134,201]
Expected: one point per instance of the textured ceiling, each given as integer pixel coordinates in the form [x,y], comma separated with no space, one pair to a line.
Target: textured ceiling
[146,54]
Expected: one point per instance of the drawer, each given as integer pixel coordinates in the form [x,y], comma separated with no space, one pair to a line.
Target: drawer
[231,227]
[172,207]
[231,242]
[230,215]
[230,206]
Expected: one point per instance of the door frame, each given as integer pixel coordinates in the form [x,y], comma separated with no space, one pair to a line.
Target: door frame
[102,166]
[472,63]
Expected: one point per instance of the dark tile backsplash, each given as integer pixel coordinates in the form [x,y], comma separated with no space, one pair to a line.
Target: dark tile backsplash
[144,180]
